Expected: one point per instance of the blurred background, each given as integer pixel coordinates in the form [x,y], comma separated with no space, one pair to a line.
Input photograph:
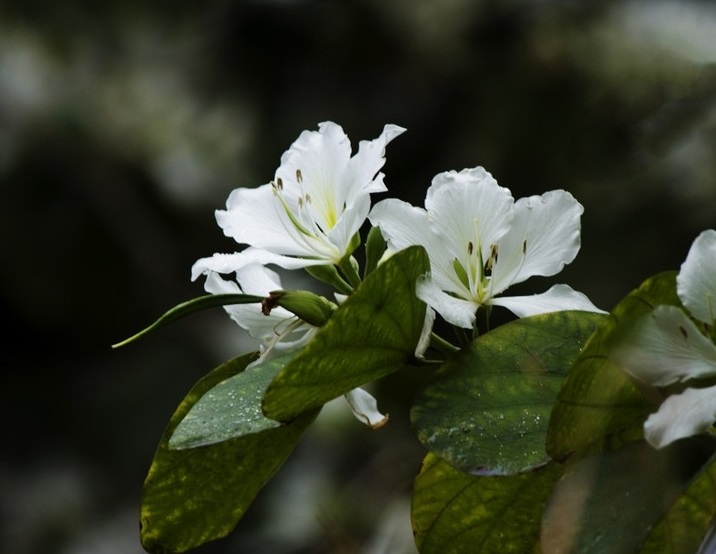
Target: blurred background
[124,125]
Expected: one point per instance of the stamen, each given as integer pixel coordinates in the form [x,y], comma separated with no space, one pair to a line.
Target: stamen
[308,198]
[524,247]
[470,248]
[299,176]
[279,184]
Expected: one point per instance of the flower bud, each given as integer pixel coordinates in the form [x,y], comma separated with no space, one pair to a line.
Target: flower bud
[311,308]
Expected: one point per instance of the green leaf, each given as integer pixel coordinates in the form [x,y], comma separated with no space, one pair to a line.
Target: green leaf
[374,248]
[194,496]
[454,512]
[599,401]
[231,408]
[191,306]
[373,333]
[608,502]
[488,407]
[689,519]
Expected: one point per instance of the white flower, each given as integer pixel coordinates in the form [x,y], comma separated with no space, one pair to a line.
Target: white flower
[480,241]
[280,330]
[667,347]
[312,210]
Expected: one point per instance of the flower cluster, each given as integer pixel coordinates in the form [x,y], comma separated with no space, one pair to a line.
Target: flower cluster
[673,345]
[478,238]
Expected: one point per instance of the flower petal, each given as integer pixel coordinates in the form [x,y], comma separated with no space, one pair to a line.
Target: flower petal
[363,167]
[403,225]
[469,210]
[665,347]
[453,310]
[254,216]
[424,340]
[696,282]
[230,263]
[543,238]
[681,415]
[365,408]
[556,299]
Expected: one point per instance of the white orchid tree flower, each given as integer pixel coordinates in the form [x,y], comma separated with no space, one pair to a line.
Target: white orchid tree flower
[311,212]
[668,347]
[480,241]
[280,330]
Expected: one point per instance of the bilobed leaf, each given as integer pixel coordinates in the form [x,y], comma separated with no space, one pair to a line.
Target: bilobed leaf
[454,512]
[689,519]
[599,399]
[194,496]
[189,307]
[373,333]
[608,502]
[488,407]
[231,408]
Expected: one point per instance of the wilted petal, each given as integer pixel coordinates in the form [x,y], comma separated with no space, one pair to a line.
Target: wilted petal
[681,415]
[453,310]
[556,299]
[365,408]
[665,347]
[696,281]
[543,238]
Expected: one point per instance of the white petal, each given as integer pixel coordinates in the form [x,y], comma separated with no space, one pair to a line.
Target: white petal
[543,238]
[453,310]
[427,330]
[321,158]
[681,415]
[403,225]
[256,217]
[349,224]
[696,282]
[665,347]
[230,263]
[363,167]
[365,408]
[556,299]
[469,210]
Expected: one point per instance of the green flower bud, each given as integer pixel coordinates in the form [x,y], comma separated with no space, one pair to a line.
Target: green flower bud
[311,308]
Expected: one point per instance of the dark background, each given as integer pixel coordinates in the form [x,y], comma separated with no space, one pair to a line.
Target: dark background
[123,126]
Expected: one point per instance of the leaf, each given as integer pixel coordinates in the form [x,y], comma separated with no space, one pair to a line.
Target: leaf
[194,496]
[608,502]
[191,306]
[488,407]
[454,512]
[598,399]
[373,333]
[231,408]
[375,246]
[689,519]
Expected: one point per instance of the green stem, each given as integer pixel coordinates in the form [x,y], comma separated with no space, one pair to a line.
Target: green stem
[482,323]
[350,271]
[442,345]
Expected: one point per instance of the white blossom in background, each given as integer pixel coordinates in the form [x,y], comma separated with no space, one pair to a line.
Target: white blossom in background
[668,347]
[480,241]
[280,330]
[316,204]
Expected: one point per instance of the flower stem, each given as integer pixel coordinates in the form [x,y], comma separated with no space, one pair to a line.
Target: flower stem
[350,271]
[442,345]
